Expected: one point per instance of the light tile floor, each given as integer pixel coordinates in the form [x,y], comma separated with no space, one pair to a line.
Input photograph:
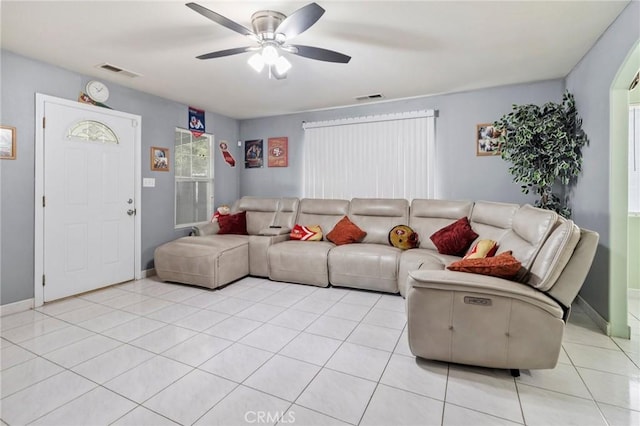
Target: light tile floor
[261,352]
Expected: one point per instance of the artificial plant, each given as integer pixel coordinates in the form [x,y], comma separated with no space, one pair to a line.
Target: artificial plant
[544,146]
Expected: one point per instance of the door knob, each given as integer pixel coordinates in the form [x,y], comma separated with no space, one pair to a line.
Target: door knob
[131,212]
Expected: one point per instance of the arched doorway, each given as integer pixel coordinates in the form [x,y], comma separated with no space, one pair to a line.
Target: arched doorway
[619,140]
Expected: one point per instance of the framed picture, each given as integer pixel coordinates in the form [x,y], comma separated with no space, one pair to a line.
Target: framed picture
[487,140]
[7,143]
[159,159]
[253,154]
[278,152]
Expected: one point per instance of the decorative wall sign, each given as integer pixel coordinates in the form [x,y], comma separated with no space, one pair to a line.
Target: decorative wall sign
[196,121]
[159,159]
[278,152]
[253,154]
[85,99]
[7,143]
[228,157]
[487,140]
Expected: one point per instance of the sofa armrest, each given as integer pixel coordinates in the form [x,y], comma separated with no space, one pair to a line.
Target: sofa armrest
[206,229]
[482,284]
[481,320]
[273,231]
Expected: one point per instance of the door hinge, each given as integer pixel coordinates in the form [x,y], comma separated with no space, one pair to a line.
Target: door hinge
[43,202]
[43,280]
[44,122]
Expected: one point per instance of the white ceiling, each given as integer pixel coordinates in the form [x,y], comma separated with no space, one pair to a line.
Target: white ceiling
[401,49]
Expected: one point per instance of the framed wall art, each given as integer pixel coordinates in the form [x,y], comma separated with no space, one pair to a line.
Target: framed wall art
[253,154]
[278,149]
[7,143]
[487,140]
[159,159]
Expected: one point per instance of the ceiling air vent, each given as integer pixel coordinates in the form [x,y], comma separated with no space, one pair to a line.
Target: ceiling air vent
[371,97]
[118,70]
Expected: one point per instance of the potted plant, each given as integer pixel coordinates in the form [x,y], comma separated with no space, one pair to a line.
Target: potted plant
[544,146]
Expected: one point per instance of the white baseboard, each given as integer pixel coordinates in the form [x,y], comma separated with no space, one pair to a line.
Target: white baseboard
[14,308]
[594,315]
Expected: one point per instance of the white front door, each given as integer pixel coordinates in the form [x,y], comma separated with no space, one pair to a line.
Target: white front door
[89,198]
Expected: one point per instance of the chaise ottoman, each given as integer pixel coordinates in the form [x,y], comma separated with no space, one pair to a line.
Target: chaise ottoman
[203,261]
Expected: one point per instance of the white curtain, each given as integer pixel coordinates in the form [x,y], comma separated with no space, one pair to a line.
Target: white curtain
[383,156]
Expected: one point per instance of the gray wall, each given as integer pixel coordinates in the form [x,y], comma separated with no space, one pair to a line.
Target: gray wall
[20,79]
[590,82]
[460,174]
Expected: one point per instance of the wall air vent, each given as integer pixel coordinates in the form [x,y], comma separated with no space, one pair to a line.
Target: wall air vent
[371,97]
[118,70]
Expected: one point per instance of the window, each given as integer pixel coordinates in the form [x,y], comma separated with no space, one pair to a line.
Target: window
[382,156]
[193,167]
[94,131]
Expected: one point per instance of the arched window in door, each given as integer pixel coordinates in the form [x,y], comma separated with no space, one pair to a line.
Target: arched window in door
[91,130]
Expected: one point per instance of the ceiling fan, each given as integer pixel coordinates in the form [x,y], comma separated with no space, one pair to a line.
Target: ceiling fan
[272,30]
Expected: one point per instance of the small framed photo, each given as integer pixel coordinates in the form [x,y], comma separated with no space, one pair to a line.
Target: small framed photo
[487,140]
[159,159]
[7,143]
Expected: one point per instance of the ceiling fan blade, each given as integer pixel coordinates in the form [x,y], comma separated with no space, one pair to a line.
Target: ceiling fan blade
[274,73]
[225,22]
[228,52]
[320,54]
[300,20]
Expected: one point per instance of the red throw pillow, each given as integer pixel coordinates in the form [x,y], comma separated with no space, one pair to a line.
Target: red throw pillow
[454,239]
[345,232]
[233,224]
[503,265]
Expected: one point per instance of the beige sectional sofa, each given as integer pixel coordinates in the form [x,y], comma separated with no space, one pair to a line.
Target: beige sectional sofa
[452,316]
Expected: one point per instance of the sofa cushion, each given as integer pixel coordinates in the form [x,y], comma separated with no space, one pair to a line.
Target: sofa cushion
[326,212]
[300,262]
[554,255]
[491,219]
[287,212]
[503,265]
[376,216]
[209,261]
[260,212]
[531,227]
[306,233]
[454,239]
[483,248]
[427,216]
[368,266]
[233,224]
[345,232]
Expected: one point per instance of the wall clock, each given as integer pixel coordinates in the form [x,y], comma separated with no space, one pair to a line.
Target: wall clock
[97,91]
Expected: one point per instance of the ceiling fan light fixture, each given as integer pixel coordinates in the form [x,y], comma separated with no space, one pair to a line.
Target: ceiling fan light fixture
[282,65]
[256,62]
[269,54]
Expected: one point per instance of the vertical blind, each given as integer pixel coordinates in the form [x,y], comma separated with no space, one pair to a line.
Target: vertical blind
[382,156]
